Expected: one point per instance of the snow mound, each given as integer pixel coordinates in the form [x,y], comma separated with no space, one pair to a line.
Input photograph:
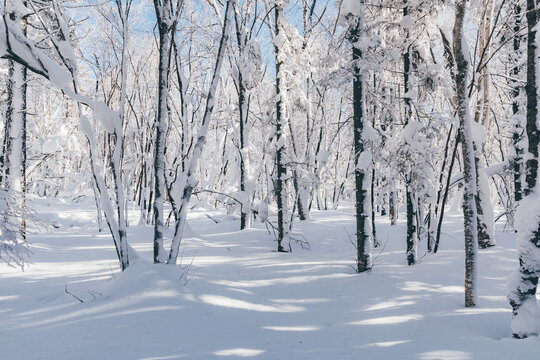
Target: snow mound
[145,280]
[527,321]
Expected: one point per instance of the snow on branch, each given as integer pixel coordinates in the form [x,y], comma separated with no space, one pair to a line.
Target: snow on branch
[490,171]
[14,45]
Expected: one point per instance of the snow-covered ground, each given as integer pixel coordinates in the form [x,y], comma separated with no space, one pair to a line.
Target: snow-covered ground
[233,297]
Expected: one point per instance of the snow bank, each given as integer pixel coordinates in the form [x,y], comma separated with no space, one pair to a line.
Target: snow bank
[143,279]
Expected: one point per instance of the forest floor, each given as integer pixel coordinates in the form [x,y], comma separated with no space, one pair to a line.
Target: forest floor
[234,297]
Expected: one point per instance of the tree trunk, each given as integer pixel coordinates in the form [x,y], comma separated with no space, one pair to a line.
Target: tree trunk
[243,106]
[361,173]
[281,191]
[15,162]
[445,194]
[392,211]
[191,181]
[469,169]
[518,128]
[412,232]
[16,150]
[523,283]
[372,200]
[165,36]
[486,236]
[433,217]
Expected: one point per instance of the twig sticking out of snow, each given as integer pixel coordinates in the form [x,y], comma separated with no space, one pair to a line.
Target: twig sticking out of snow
[217,221]
[302,240]
[70,293]
[186,269]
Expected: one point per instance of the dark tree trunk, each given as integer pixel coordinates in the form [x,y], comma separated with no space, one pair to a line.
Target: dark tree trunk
[439,190]
[361,176]
[445,195]
[373,228]
[523,286]
[411,227]
[392,211]
[532,99]
[412,234]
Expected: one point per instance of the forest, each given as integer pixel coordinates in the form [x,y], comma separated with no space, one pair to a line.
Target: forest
[277,179]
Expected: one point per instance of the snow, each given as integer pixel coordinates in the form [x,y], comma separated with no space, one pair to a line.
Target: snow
[323,156]
[365,162]
[487,217]
[59,77]
[110,119]
[351,7]
[18,7]
[407,22]
[53,144]
[478,132]
[233,296]
[527,321]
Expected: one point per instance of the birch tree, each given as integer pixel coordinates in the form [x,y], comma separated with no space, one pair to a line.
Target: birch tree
[15,138]
[280,121]
[467,148]
[166,24]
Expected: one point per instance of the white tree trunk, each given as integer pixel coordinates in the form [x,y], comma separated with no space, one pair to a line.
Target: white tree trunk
[469,174]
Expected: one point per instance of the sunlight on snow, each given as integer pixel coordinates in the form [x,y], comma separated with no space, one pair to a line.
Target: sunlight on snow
[385,305]
[239,352]
[445,354]
[273,265]
[388,343]
[302,301]
[493,297]
[387,320]
[279,281]
[473,311]
[293,328]
[420,286]
[245,305]
[165,357]
[242,291]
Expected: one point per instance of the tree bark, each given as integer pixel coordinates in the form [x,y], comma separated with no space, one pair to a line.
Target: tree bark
[412,231]
[469,169]
[445,194]
[361,174]
[518,131]
[165,28]
[243,106]
[523,283]
[281,191]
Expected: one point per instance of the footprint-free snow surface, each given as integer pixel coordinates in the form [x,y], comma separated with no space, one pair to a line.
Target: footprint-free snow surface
[234,297]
